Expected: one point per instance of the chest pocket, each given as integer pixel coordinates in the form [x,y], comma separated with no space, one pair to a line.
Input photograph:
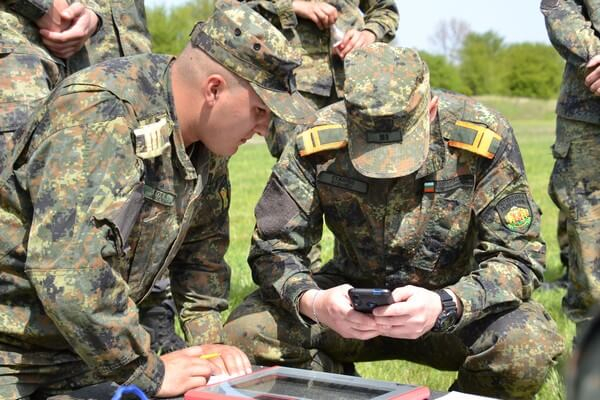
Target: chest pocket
[214,202]
[446,214]
[150,239]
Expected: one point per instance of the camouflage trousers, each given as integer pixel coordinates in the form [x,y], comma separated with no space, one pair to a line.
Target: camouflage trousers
[505,355]
[27,77]
[575,189]
[38,374]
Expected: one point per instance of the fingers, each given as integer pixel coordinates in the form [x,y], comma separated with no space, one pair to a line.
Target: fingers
[233,362]
[348,43]
[67,42]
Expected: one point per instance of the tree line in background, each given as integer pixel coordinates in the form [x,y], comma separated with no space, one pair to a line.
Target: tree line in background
[467,62]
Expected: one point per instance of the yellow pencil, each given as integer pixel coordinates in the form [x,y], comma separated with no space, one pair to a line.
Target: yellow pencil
[209,356]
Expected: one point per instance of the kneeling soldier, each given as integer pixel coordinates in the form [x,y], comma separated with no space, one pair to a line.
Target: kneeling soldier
[426,195]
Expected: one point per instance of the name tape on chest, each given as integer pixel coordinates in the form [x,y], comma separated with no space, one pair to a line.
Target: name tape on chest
[321,138]
[343,182]
[476,138]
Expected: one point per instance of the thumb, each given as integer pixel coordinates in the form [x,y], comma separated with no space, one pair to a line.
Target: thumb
[403,293]
[594,62]
[72,12]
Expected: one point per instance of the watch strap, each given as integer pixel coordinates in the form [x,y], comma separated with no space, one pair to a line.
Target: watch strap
[448,315]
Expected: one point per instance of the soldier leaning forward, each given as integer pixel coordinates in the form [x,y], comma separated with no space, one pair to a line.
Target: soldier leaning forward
[426,195]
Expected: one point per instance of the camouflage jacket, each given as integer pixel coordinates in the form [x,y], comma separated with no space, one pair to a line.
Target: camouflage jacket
[123,32]
[19,35]
[463,221]
[320,69]
[104,198]
[574,28]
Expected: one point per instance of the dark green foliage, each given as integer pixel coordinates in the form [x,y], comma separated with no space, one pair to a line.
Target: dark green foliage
[444,75]
[531,70]
[170,28]
[479,63]
[488,66]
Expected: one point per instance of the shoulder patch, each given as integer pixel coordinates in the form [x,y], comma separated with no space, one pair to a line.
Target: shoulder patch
[473,137]
[320,138]
[515,212]
[153,139]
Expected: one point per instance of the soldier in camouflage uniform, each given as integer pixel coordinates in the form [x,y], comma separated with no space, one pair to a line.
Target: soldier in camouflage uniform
[573,27]
[124,32]
[121,32]
[426,195]
[307,25]
[30,63]
[121,175]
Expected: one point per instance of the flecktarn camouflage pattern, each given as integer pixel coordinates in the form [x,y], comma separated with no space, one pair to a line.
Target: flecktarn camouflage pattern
[573,27]
[28,72]
[464,220]
[124,32]
[321,73]
[387,139]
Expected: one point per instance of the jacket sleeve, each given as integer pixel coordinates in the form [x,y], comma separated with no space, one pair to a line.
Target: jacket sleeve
[288,223]
[80,177]
[30,9]
[278,12]
[570,31]
[381,18]
[200,277]
[509,253]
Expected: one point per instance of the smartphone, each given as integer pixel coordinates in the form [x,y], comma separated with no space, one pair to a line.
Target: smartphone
[365,300]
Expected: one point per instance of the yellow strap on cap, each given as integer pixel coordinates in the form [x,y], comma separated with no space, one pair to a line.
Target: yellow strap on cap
[321,138]
[485,143]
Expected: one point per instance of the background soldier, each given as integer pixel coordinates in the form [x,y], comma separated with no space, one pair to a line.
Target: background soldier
[307,25]
[426,195]
[573,27]
[30,63]
[119,176]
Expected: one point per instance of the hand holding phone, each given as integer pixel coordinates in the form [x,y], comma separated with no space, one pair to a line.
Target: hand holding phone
[365,300]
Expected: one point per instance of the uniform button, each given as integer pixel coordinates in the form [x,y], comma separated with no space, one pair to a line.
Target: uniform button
[237,32]
[257,46]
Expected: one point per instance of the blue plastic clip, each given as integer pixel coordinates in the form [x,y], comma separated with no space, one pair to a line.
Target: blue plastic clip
[128,389]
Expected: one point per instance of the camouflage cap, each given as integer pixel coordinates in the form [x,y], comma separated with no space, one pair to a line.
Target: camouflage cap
[249,46]
[387,95]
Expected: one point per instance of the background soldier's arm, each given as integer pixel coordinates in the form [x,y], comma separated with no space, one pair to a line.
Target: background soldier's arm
[381,18]
[570,32]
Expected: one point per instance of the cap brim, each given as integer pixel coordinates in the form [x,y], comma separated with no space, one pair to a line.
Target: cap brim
[291,108]
[390,160]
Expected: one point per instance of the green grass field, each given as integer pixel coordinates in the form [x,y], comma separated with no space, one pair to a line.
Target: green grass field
[533,122]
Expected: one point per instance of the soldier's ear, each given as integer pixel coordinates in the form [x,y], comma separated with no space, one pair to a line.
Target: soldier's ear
[213,89]
[433,108]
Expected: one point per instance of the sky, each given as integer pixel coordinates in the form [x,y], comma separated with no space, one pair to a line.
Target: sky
[514,20]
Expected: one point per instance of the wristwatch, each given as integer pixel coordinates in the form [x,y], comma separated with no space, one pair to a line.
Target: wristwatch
[449,315]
